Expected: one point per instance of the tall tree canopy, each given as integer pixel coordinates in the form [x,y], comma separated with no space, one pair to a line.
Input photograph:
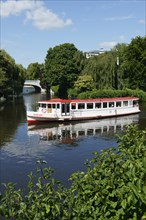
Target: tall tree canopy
[106,69]
[11,75]
[63,64]
[124,66]
[35,71]
[135,63]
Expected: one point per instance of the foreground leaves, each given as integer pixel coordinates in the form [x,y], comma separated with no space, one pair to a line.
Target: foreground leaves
[113,187]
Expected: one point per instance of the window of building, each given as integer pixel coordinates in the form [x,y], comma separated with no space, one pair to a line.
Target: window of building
[49,105]
[53,105]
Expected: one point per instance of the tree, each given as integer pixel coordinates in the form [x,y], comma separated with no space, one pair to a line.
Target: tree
[84,83]
[118,54]
[135,64]
[100,69]
[63,64]
[11,75]
[34,71]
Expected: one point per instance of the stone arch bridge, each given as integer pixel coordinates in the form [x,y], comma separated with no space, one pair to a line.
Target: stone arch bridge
[35,84]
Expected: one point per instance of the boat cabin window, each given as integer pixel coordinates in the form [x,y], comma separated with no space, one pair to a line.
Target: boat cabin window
[43,105]
[53,105]
[135,102]
[118,104]
[125,103]
[98,105]
[73,106]
[111,104]
[104,104]
[89,105]
[130,102]
[81,105]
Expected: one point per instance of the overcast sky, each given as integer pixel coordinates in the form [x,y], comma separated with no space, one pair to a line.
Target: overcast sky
[30,27]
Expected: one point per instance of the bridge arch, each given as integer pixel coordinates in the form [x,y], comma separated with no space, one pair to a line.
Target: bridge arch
[32,86]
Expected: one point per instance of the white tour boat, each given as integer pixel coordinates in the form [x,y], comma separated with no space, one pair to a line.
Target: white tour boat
[80,109]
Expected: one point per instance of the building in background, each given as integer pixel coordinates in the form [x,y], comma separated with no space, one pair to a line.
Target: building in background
[94,53]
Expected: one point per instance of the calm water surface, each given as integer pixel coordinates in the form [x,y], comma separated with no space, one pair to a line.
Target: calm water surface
[65,147]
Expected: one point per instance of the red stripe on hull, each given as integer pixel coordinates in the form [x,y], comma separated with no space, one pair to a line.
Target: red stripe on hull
[35,121]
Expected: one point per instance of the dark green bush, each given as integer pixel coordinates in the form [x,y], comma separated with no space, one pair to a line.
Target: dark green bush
[113,93]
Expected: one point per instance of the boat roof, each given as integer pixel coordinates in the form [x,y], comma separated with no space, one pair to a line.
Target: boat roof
[58,100]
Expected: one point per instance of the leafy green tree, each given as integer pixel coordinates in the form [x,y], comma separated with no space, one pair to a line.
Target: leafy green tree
[84,83]
[135,64]
[116,65]
[3,78]
[34,71]
[106,69]
[63,64]
[12,75]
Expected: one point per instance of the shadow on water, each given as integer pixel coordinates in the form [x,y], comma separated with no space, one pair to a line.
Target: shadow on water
[11,116]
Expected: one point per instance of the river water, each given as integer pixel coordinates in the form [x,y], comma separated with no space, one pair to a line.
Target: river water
[65,147]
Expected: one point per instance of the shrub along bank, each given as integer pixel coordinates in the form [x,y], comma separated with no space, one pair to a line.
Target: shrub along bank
[113,187]
[109,93]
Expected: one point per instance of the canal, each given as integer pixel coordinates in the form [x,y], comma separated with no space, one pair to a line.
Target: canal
[65,147]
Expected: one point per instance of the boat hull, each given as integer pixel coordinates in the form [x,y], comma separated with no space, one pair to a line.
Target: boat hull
[33,119]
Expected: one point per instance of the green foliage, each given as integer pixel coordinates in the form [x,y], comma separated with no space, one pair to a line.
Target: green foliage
[113,187]
[55,89]
[3,78]
[113,93]
[35,71]
[84,83]
[104,69]
[63,64]
[11,75]
[122,67]
[135,64]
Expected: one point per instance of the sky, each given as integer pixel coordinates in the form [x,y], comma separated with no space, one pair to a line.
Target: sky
[29,28]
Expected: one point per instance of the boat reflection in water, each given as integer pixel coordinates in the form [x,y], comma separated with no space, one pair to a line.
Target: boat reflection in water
[67,133]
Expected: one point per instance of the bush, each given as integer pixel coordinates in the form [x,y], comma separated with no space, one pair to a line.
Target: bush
[113,187]
[113,93]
